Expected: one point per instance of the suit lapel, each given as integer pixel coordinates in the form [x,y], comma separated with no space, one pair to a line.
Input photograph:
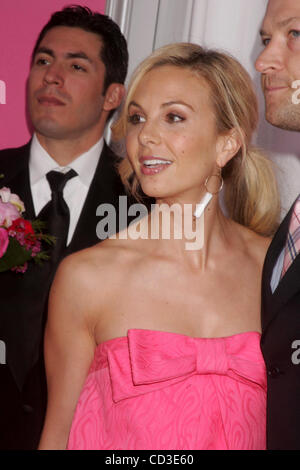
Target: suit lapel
[288,286]
[290,283]
[17,169]
[106,187]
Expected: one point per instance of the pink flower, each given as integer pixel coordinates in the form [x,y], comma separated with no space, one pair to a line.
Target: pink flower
[20,239]
[20,269]
[3,241]
[7,196]
[8,213]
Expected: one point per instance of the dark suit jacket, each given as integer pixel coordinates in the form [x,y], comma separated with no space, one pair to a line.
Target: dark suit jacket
[23,303]
[280,328]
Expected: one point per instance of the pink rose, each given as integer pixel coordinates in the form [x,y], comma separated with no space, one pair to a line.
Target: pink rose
[3,241]
[8,213]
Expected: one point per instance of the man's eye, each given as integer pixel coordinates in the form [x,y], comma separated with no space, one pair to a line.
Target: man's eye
[265,41]
[295,33]
[135,118]
[78,67]
[42,61]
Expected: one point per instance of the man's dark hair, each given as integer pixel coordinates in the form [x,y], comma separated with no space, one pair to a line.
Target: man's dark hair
[113,53]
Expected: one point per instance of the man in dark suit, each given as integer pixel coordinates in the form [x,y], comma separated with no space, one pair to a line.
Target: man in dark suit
[279,64]
[78,69]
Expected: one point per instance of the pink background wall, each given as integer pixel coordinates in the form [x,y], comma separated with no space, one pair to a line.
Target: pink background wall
[20,24]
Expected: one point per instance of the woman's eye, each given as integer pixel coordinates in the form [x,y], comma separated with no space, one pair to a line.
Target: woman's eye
[172,117]
[135,119]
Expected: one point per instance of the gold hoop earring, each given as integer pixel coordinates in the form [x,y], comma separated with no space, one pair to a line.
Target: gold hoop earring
[221,183]
[207,197]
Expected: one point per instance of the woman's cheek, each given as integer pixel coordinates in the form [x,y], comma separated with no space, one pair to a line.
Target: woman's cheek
[131,142]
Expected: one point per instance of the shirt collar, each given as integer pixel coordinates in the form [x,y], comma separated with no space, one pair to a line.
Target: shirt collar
[40,162]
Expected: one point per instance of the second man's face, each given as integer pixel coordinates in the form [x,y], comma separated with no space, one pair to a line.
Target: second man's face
[279,63]
[65,89]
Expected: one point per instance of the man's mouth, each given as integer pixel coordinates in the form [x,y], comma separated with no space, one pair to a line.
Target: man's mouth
[50,101]
[272,88]
[271,84]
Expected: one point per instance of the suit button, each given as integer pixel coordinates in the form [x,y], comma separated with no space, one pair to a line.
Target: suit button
[27,409]
[274,372]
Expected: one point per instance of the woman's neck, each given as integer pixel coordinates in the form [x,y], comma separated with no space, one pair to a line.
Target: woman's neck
[175,232]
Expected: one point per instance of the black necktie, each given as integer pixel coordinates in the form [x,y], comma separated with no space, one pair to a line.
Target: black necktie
[56,213]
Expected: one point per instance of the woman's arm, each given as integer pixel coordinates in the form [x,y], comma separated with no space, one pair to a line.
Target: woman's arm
[69,348]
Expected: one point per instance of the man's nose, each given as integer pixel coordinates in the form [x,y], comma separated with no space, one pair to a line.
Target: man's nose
[53,75]
[270,59]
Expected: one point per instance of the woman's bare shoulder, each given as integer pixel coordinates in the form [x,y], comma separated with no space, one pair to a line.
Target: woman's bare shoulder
[98,263]
[86,283]
[256,245]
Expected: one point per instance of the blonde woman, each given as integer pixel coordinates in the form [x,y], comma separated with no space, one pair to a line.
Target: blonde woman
[151,345]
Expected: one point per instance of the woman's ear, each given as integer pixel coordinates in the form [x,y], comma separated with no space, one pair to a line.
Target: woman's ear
[113,96]
[228,146]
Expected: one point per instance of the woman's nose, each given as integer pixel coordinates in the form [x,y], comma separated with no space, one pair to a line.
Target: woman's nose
[149,133]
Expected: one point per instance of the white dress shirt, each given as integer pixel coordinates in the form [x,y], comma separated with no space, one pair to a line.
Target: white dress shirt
[75,190]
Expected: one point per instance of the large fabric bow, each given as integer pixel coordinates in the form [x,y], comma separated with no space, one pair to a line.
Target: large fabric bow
[151,360]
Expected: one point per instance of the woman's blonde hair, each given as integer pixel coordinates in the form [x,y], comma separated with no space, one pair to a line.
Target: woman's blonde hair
[251,195]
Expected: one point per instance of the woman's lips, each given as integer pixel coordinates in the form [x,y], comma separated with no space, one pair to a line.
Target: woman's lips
[153,165]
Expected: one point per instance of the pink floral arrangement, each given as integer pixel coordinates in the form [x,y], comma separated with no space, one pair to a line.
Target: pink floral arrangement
[20,239]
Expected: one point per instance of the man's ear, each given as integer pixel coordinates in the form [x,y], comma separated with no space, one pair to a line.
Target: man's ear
[113,96]
[228,146]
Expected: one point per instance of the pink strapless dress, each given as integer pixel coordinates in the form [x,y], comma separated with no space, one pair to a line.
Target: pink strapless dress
[157,390]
